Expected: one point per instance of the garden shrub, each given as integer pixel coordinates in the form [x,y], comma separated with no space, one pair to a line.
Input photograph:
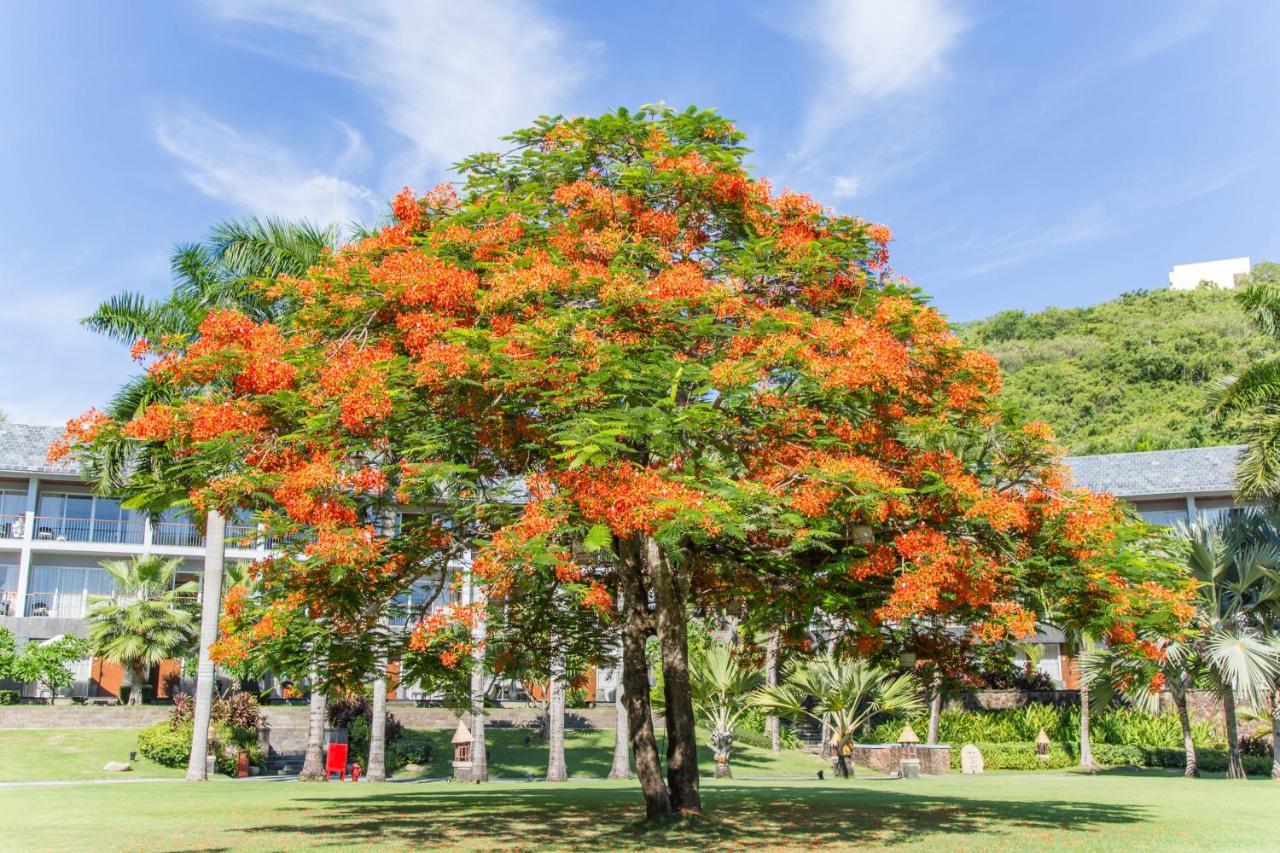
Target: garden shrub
[169,745]
[9,697]
[1022,756]
[411,747]
[355,713]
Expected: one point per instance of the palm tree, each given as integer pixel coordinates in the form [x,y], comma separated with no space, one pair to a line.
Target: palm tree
[841,696]
[207,276]
[722,692]
[1254,395]
[1236,564]
[144,621]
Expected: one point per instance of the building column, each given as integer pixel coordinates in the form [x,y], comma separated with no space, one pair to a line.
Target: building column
[1191,510]
[24,558]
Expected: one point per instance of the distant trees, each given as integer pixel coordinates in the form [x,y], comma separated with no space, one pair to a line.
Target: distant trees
[1127,374]
[46,664]
[1252,394]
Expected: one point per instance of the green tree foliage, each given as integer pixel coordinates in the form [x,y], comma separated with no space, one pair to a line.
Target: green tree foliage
[1129,374]
[48,663]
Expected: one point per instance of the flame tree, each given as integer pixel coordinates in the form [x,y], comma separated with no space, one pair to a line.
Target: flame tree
[614,362]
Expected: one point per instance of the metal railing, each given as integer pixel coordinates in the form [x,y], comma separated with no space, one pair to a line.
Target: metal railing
[178,534]
[58,605]
[243,536]
[11,526]
[51,528]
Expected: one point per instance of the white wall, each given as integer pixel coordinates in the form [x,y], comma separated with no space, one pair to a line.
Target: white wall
[1222,273]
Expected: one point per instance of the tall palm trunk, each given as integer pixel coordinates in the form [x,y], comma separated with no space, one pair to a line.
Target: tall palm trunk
[377,768]
[935,708]
[210,602]
[556,770]
[313,763]
[771,661]
[1235,762]
[1275,733]
[479,755]
[1192,762]
[621,768]
[1086,742]
[636,627]
[673,640]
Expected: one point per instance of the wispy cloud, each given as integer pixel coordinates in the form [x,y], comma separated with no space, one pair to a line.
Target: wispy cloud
[873,50]
[261,175]
[450,77]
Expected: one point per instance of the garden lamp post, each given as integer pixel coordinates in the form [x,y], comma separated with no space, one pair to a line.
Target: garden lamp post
[908,759]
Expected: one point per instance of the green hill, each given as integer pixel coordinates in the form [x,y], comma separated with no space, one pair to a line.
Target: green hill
[1124,375]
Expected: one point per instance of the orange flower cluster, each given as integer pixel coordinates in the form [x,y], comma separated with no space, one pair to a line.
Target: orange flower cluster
[79,431]
[627,498]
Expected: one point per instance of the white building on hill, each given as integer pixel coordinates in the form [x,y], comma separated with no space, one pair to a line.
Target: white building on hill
[1225,273]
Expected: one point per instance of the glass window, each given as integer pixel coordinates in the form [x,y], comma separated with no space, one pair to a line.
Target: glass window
[1165,517]
[13,503]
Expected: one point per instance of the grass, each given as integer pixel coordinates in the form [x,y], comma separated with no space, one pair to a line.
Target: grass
[997,811]
[40,755]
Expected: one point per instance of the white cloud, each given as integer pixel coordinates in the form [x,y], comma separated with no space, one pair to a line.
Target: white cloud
[874,50]
[451,77]
[845,186]
[261,175]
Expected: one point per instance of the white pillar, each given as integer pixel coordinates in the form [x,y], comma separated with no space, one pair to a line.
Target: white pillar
[24,556]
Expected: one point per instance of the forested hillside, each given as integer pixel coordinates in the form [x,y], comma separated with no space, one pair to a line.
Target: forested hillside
[1128,374]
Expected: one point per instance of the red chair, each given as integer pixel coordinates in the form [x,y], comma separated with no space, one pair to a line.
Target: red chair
[336,762]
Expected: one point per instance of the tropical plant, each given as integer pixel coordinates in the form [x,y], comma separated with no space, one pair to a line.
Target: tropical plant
[47,663]
[842,697]
[722,691]
[1235,561]
[145,620]
[1253,393]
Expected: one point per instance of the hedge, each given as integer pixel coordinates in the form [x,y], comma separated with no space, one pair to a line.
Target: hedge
[1022,756]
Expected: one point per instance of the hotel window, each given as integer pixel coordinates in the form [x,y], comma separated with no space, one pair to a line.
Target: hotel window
[85,518]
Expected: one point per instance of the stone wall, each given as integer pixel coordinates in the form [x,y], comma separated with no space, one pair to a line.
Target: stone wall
[81,716]
[885,757]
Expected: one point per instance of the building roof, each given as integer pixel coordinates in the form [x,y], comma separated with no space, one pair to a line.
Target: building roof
[25,448]
[1194,471]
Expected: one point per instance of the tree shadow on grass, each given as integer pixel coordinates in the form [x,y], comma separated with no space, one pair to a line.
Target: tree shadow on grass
[593,818]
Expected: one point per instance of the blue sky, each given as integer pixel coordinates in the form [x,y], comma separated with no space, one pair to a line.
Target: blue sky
[1025,154]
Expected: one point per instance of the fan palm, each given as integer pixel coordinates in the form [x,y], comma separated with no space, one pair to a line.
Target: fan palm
[722,689]
[1254,395]
[1236,564]
[842,697]
[145,620]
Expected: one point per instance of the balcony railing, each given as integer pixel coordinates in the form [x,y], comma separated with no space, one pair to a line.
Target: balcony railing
[58,605]
[178,534]
[49,528]
[11,526]
[242,536]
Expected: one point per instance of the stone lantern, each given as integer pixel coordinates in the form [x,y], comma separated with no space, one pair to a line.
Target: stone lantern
[462,741]
[909,760]
[1042,746]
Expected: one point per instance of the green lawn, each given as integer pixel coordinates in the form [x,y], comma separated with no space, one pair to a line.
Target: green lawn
[999,811]
[38,755]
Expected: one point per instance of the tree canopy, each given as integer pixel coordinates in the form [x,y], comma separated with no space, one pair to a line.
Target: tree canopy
[614,362]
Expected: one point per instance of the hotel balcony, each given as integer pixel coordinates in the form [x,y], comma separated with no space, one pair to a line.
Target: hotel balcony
[104,531]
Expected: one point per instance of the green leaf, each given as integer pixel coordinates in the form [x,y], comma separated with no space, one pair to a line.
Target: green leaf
[598,538]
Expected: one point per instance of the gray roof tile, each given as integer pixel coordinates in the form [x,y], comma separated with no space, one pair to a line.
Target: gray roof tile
[1197,470]
[25,448]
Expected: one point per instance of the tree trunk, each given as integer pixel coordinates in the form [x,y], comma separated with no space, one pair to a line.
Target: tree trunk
[635,681]
[672,624]
[1275,733]
[210,604]
[827,750]
[556,770]
[479,755]
[1086,744]
[376,770]
[621,768]
[1192,763]
[935,709]
[771,667]
[313,763]
[1235,763]
[137,677]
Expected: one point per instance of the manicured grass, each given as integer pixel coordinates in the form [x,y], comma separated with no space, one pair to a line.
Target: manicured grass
[38,755]
[1009,811]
